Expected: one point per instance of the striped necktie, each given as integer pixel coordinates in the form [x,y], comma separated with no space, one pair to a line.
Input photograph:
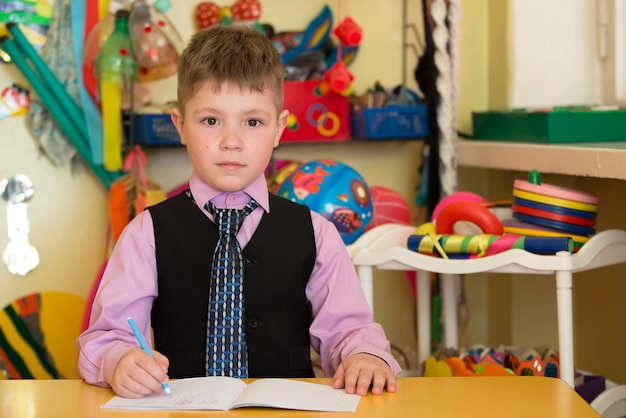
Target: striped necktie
[226,350]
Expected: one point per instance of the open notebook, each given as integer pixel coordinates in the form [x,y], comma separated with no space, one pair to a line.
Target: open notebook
[224,393]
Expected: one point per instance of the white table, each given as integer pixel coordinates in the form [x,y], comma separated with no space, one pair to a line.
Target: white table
[385,247]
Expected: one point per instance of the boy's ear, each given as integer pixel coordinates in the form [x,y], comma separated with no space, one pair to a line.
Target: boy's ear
[280,127]
[178,121]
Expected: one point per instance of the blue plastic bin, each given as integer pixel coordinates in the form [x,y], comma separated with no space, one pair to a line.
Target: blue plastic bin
[155,129]
[393,122]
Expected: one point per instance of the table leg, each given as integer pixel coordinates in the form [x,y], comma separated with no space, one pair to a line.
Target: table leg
[451,326]
[565,325]
[423,315]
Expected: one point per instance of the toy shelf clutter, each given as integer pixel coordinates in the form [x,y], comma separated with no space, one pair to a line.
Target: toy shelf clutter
[385,247]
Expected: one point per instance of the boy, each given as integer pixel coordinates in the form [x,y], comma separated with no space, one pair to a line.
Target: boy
[301,289]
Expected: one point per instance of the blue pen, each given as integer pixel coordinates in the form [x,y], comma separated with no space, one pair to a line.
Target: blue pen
[144,347]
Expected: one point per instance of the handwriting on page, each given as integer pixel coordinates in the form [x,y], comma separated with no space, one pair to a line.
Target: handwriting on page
[223,393]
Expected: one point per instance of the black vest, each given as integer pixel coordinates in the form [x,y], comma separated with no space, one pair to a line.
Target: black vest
[278,261]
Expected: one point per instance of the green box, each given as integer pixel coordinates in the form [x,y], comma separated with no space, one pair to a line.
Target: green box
[553,125]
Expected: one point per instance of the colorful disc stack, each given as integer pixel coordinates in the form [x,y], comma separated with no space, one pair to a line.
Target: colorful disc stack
[548,210]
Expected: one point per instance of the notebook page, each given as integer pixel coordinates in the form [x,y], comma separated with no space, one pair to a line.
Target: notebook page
[191,393]
[293,394]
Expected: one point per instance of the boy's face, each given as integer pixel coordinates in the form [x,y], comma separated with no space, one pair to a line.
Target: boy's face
[230,134]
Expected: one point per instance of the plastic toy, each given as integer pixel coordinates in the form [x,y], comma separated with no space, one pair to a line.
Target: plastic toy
[247,12]
[339,79]
[348,32]
[282,174]
[389,207]
[456,197]
[33,16]
[484,361]
[55,98]
[313,38]
[513,226]
[207,14]
[334,190]
[557,208]
[471,246]
[14,100]
[116,70]
[156,42]
[472,212]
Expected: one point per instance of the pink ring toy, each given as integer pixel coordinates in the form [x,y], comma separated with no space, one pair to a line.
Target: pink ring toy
[555,191]
[455,197]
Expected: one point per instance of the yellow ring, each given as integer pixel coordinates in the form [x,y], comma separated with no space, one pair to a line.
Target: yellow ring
[548,200]
[331,131]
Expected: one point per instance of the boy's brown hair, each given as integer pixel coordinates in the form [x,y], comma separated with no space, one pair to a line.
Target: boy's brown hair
[235,54]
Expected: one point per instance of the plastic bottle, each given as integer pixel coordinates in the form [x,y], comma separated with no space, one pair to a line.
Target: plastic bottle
[116,69]
[156,42]
[97,35]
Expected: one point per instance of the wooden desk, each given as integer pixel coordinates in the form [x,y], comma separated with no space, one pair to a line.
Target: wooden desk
[416,397]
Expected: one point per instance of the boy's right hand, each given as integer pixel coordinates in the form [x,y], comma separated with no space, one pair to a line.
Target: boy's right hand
[137,374]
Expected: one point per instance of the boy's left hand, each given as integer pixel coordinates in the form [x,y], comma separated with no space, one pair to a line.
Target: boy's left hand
[360,371]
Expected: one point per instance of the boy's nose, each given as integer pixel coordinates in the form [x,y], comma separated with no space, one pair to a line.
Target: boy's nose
[231,139]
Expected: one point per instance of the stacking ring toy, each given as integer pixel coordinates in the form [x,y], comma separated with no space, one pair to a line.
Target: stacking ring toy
[554,209]
[561,226]
[548,200]
[467,211]
[513,226]
[553,215]
[555,191]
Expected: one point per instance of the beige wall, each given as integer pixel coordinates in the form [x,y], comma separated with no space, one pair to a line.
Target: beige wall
[530,65]
[69,220]
[68,213]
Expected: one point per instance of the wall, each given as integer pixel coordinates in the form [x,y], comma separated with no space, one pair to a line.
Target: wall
[544,53]
[68,213]
[501,44]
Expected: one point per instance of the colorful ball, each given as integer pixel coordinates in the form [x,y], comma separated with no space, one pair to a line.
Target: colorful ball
[389,207]
[334,190]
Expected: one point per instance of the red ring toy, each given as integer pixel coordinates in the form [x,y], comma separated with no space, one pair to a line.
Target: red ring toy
[455,197]
[470,212]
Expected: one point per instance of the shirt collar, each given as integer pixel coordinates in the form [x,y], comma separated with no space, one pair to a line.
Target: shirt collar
[202,193]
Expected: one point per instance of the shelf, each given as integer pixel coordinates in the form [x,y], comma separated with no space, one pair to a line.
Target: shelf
[385,247]
[594,159]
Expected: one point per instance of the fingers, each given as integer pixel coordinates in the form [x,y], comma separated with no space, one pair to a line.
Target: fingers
[162,360]
[338,378]
[137,374]
[382,379]
[360,372]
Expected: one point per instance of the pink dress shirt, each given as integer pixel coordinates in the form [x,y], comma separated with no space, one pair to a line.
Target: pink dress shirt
[342,320]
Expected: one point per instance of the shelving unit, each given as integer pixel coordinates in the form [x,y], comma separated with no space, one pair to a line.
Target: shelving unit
[593,159]
[385,247]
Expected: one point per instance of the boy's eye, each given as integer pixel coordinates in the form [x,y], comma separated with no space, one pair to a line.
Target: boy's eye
[253,122]
[210,121]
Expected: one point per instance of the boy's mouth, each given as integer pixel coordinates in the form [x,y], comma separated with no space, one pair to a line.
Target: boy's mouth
[230,164]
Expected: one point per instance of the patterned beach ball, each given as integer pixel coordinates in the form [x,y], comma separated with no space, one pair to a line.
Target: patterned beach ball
[334,190]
